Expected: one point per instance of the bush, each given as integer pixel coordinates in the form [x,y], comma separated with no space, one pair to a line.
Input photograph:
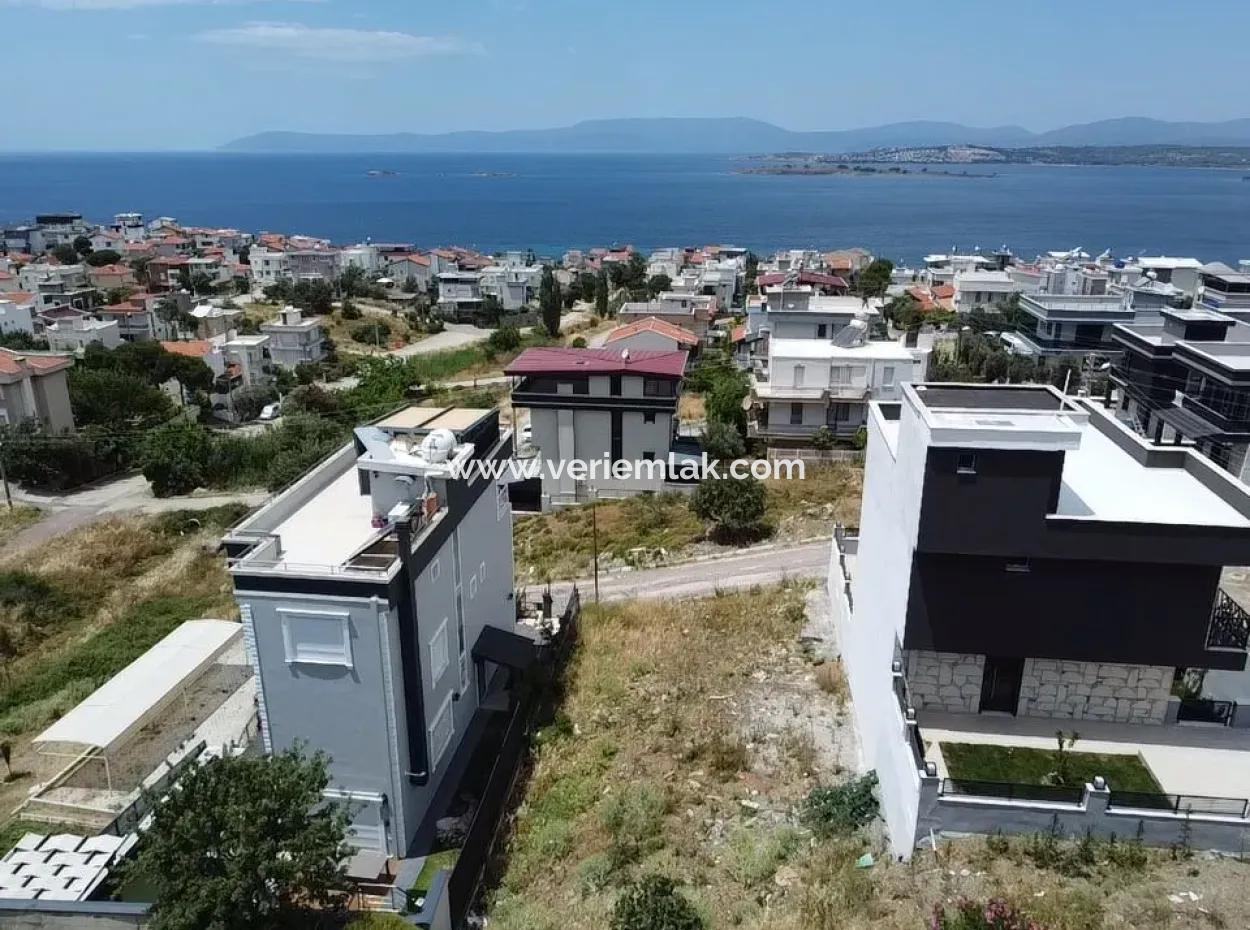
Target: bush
[970,915]
[734,506]
[579,342]
[175,458]
[654,903]
[36,459]
[350,311]
[311,399]
[375,332]
[250,401]
[723,443]
[504,339]
[823,439]
[841,809]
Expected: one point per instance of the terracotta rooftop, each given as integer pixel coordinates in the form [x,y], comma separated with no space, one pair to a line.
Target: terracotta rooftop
[562,361]
[195,348]
[18,363]
[653,325]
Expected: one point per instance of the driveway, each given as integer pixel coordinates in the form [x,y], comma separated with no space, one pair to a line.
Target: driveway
[757,565]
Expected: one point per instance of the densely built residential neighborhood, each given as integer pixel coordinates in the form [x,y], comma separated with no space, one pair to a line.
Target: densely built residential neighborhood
[398,584]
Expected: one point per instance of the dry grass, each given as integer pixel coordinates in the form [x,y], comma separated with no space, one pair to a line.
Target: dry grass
[648,768]
[77,607]
[831,679]
[827,494]
[561,544]
[690,408]
[15,519]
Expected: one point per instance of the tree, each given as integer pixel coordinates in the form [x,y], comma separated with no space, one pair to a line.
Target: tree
[549,302]
[174,459]
[314,296]
[103,257]
[491,310]
[722,442]
[82,245]
[723,401]
[658,283]
[313,400]
[504,339]
[601,294]
[170,312]
[353,282]
[349,310]
[734,506]
[202,283]
[117,295]
[375,332]
[874,280]
[65,253]
[116,399]
[654,903]
[250,401]
[247,843]
[823,439]
[752,273]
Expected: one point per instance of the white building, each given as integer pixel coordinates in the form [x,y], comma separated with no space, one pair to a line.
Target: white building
[17,317]
[812,384]
[983,290]
[511,281]
[1184,273]
[294,340]
[76,334]
[269,266]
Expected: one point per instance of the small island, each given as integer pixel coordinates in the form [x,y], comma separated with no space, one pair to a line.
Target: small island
[813,165]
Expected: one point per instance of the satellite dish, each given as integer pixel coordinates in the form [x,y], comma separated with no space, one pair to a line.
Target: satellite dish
[437,446]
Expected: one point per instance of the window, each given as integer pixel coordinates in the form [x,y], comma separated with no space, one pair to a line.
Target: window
[1018,566]
[434,570]
[796,414]
[887,376]
[581,386]
[473,585]
[799,374]
[821,330]
[481,571]
[657,387]
[316,638]
[648,456]
[615,385]
[648,417]
[442,728]
[967,464]
[501,503]
[438,653]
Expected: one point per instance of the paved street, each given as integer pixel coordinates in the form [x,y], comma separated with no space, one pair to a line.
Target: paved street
[759,565]
[66,512]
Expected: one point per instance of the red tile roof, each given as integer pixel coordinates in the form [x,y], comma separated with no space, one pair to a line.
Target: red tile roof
[654,325]
[562,361]
[195,348]
[814,278]
[18,297]
[739,333]
[17,363]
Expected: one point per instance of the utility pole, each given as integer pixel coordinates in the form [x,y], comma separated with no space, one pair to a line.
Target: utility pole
[594,529]
[4,476]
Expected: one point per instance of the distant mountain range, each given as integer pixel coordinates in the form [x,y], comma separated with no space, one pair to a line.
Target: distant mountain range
[740,136]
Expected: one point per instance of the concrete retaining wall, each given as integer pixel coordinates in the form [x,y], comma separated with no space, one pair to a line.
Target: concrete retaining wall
[946,814]
[86,915]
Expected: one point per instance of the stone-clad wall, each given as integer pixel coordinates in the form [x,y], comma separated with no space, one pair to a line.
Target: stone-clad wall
[1094,690]
[945,680]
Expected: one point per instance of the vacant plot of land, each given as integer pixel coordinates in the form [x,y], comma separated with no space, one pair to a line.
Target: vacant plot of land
[560,545]
[691,733]
[651,529]
[1028,766]
[78,609]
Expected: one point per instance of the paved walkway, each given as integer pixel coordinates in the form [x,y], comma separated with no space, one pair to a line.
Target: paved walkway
[1199,760]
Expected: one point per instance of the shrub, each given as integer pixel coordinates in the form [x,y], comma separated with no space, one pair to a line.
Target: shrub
[504,339]
[375,332]
[175,458]
[972,915]
[654,903]
[250,401]
[734,506]
[633,818]
[579,342]
[823,439]
[722,442]
[350,311]
[841,809]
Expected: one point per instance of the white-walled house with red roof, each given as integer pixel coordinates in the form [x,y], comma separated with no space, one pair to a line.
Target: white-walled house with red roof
[34,386]
[602,405]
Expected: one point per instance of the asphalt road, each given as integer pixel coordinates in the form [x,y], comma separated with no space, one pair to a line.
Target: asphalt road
[759,565]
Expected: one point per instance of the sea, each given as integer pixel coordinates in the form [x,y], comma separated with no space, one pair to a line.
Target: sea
[551,203]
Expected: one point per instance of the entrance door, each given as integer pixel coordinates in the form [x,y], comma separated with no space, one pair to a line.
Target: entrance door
[1000,684]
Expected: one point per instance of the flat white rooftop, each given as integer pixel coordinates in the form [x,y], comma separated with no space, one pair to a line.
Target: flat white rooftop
[1100,480]
[330,527]
[824,349]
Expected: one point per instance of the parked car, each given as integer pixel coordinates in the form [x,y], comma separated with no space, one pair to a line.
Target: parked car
[271,412]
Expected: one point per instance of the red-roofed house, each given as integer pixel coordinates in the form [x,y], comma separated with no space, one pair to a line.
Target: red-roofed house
[830,285]
[34,386]
[110,277]
[693,312]
[652,335]
[399,268]
[603,406]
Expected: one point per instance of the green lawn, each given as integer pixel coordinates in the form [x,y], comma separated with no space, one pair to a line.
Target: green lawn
[1028,766]
[433,864]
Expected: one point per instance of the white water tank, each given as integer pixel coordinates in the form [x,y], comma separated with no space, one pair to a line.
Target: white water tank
[437,446]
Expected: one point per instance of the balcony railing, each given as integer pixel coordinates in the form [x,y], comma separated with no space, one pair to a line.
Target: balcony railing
[1230,625]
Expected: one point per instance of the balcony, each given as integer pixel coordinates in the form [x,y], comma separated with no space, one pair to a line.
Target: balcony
[1230,625]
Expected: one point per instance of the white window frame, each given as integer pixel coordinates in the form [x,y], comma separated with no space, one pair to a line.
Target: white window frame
[473,585]
[437,751]
[434,570]
[502,501]
[291,648]
[481,571]
[436,670]
[887,376]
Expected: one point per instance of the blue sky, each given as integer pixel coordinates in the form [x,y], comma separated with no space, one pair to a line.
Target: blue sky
[161,74]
